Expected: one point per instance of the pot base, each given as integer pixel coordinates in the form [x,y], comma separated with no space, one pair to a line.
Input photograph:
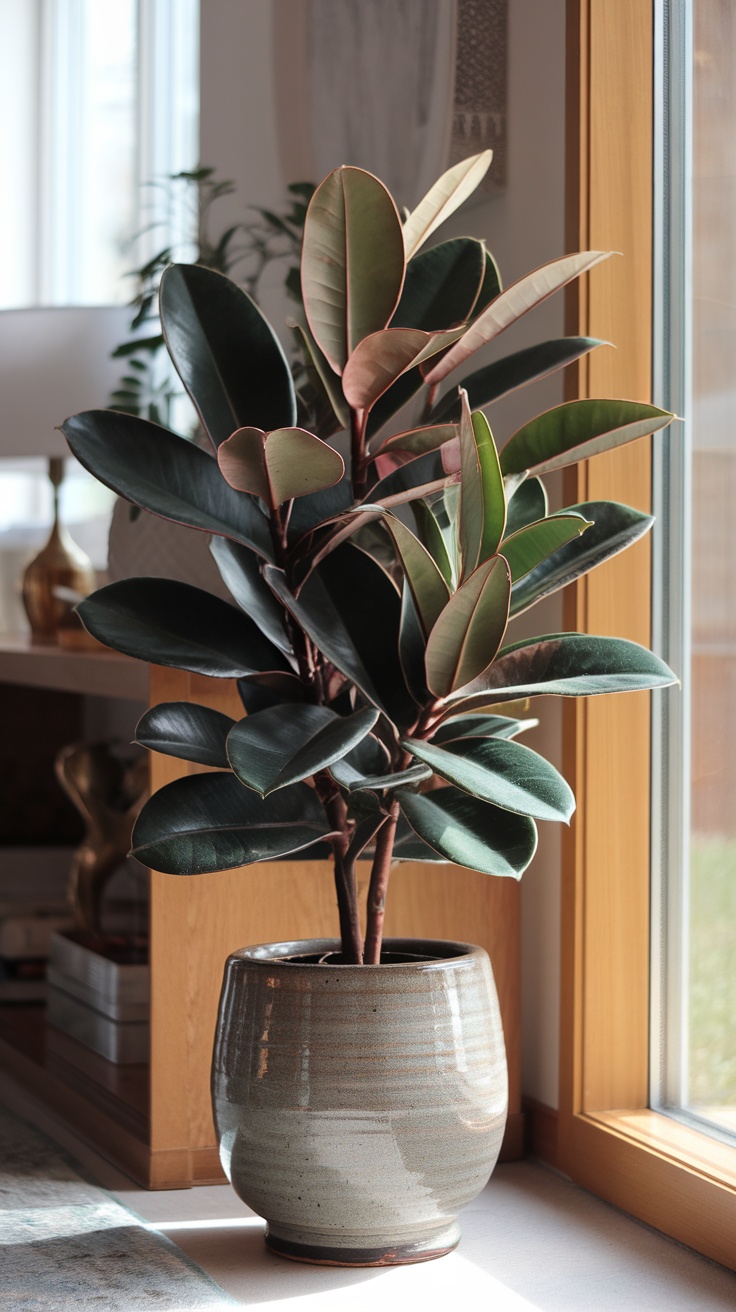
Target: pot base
[437,1244]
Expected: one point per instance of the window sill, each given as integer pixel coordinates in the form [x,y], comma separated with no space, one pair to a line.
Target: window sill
[666,1174]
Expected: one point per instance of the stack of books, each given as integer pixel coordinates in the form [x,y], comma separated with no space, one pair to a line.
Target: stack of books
[99,992]
[26,930]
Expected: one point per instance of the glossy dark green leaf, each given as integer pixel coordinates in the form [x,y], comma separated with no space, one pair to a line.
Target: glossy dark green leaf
[171,623]
[432,538]
[329,380]
[321,620]
[614,528]
[393,400]
[500,771]
[187,730]
[165,474]
[490,288]
[533,544]
[470,629]
[408,846]
[370,608]
[207,822]
[241,573]
[471,833]
[565,665]
[410,480]
[353,781]
[308,512]
[225,352]
[503,376]
[527,505]
[481,726]
[285,744]
[577,430]
[272,688]
[352,262]
[441,285]
[412,647]
[428,588]
[368,757]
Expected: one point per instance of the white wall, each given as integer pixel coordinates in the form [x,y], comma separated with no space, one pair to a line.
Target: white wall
[524,227]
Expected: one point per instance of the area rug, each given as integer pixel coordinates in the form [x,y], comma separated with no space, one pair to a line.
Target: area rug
[68,1246]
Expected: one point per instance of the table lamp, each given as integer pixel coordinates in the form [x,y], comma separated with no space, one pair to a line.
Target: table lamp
[54,362]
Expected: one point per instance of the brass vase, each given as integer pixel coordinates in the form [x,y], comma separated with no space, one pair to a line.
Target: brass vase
[60,565]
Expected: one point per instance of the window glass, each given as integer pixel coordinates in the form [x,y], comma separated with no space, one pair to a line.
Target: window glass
[695,1071]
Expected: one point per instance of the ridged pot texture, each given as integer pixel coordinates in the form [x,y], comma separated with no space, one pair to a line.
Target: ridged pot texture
[359,1107]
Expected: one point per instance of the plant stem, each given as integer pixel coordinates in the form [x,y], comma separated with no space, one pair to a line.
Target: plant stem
[358,420]
[378,885]
[346,885]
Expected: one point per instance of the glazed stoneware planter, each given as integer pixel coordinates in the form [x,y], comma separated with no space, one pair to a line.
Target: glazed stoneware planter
[359,1107]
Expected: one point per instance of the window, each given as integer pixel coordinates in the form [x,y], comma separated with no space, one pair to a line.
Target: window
[694,1066]
[99,99]
[609,1138]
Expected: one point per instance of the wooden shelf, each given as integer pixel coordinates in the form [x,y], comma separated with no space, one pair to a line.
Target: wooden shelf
[102,674]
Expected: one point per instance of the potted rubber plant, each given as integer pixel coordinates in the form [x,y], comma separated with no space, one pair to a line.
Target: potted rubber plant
[376,566]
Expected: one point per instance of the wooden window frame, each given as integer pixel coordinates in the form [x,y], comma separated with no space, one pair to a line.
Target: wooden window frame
[672,1177]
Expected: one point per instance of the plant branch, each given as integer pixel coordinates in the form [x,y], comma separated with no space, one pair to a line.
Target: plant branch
[378,886]
[346,884]
[358,461]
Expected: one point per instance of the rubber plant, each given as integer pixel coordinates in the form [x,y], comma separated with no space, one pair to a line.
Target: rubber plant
[376,567]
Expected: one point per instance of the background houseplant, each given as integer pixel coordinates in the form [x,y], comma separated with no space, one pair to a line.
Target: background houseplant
[382,691]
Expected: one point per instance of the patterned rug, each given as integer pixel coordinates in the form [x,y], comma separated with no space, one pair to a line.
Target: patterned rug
[67,1246]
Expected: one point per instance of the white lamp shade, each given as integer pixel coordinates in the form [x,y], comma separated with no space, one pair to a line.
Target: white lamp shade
[55,362]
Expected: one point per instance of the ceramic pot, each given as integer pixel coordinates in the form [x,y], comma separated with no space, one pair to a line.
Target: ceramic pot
[359,1107]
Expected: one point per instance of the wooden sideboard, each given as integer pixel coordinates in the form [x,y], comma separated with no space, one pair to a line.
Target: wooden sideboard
[155,1121]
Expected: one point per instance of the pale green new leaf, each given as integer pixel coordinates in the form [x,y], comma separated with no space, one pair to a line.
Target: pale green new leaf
[469,632]
[352,262]
[482,492]
[277,466]
[428,588]
[528,547]
[613,528]
[576,430]
[516,301]
[443,198]
[418,440]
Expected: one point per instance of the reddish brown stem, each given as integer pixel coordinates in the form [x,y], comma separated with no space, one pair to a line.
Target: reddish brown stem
[358,462]
[346,886]
[378,886]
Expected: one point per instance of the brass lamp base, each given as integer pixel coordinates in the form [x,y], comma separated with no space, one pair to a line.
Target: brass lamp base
[61,567]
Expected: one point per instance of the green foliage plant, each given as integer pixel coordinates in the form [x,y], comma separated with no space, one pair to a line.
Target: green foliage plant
[383,689]
[244,250]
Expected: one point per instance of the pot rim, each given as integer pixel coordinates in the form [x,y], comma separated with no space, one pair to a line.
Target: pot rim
[441,953]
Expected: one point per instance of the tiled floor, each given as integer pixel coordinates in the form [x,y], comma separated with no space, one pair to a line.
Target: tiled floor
[530,1241]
